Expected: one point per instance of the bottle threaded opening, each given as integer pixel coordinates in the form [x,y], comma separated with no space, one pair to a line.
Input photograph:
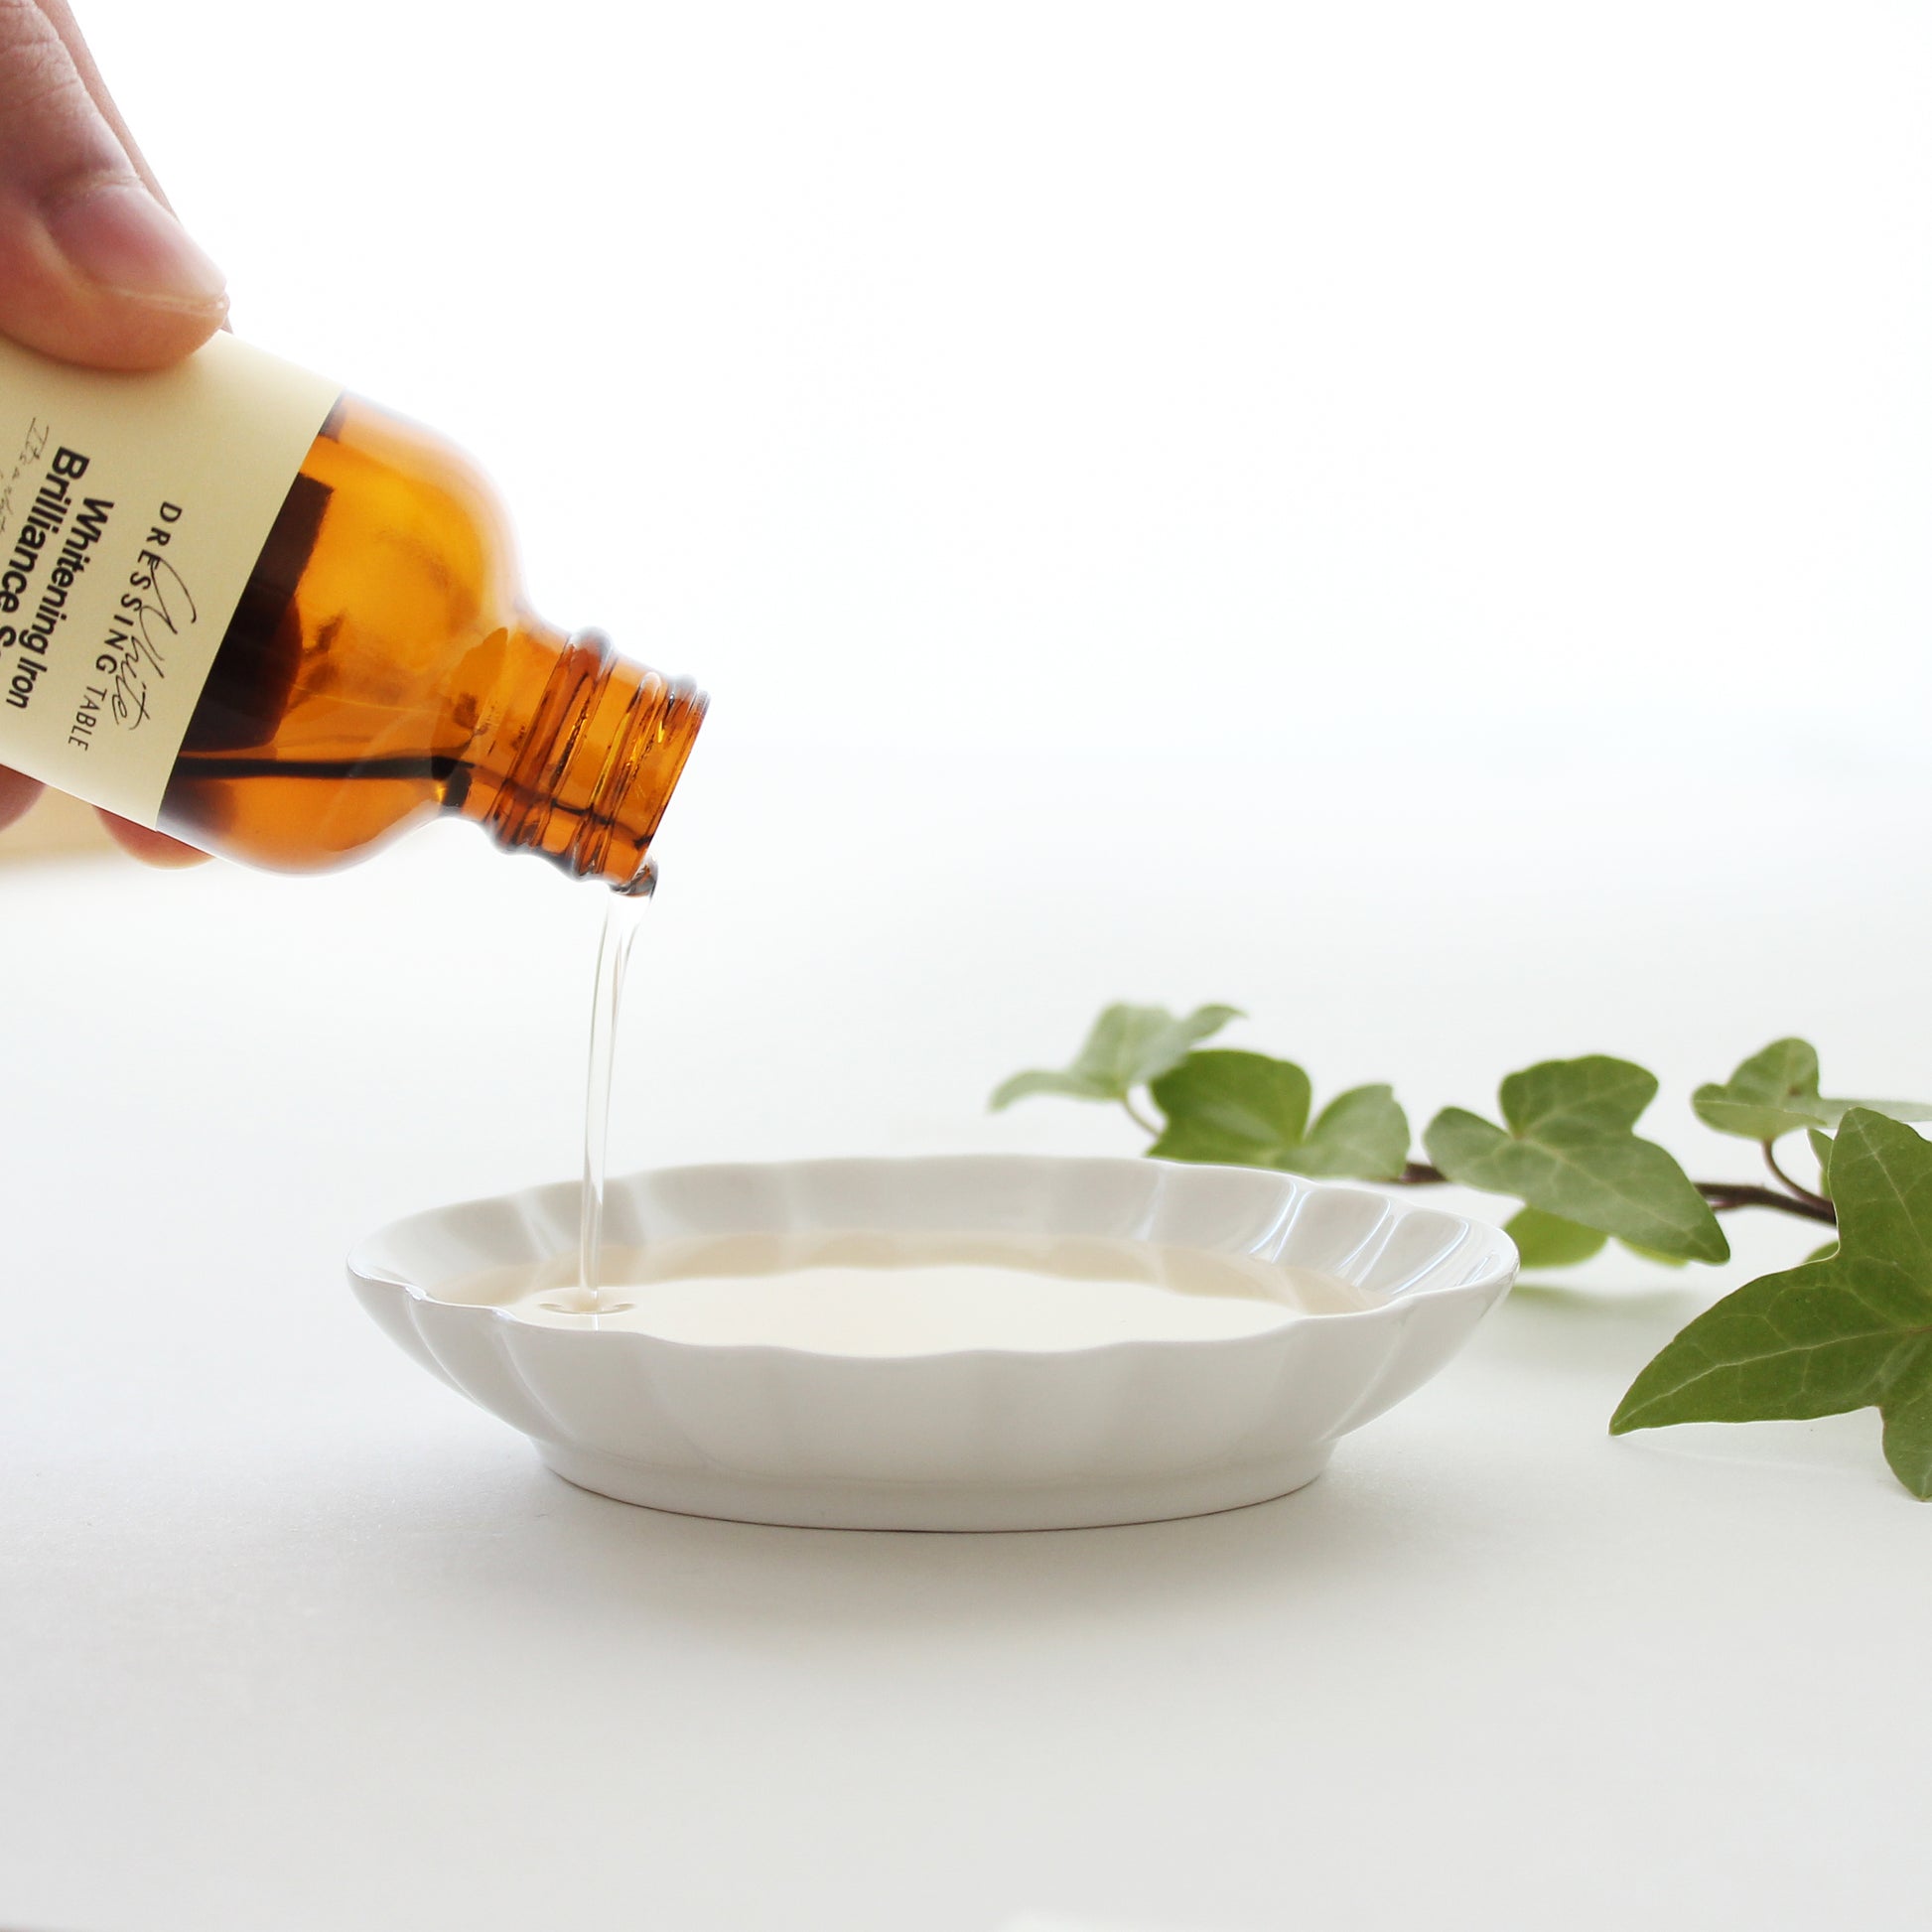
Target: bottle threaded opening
[598,765]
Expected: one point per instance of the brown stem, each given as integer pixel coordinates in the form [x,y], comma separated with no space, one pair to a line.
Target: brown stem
[1723,1195]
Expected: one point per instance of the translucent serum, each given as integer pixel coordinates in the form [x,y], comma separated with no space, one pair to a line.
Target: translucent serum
[622,919]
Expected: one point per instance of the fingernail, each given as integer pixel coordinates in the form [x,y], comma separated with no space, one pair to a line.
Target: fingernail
[118,235]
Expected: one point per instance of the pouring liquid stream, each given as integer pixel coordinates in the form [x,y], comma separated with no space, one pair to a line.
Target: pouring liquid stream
[622,918]
[938,1291]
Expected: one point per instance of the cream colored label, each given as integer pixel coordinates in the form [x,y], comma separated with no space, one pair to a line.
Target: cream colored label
[132,511]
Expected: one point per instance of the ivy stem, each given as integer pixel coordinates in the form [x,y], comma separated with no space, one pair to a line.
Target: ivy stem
[1803,1193]
[1723,1195]
[1139,1119]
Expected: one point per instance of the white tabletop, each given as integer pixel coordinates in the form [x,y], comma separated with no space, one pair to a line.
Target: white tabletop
[292,1638]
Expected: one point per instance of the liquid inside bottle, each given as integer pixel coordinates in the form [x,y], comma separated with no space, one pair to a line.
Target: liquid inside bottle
[382,669]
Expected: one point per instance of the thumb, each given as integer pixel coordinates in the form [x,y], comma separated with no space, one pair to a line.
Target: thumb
[16,793]
[94,268]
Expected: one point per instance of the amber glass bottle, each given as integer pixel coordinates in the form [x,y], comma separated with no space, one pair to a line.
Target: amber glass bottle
[381,668]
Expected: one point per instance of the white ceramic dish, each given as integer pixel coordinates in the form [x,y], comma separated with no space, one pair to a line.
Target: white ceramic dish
[971,1440]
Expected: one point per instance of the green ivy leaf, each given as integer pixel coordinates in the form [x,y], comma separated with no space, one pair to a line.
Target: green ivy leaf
[1775,1092]
[1568,1149]
[1361,1135]
[1548,1241]
[1905,1110]
[1128,1048]
[1852,1330]
[1246,1110]
[1821,1149]
[1653,1254]
[1232,1107]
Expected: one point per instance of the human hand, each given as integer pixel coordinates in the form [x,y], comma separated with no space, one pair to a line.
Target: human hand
[94,266]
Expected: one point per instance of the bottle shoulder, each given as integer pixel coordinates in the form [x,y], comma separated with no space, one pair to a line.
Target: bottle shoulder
[412,519]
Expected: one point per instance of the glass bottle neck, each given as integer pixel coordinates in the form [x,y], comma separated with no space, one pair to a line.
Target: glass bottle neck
[584,776]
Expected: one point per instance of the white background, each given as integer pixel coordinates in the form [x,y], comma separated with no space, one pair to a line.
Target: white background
[1127,375]
[1478,458]
[1407,519]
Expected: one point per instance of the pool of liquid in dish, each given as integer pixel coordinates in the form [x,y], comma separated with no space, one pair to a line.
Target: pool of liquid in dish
[914,1295]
